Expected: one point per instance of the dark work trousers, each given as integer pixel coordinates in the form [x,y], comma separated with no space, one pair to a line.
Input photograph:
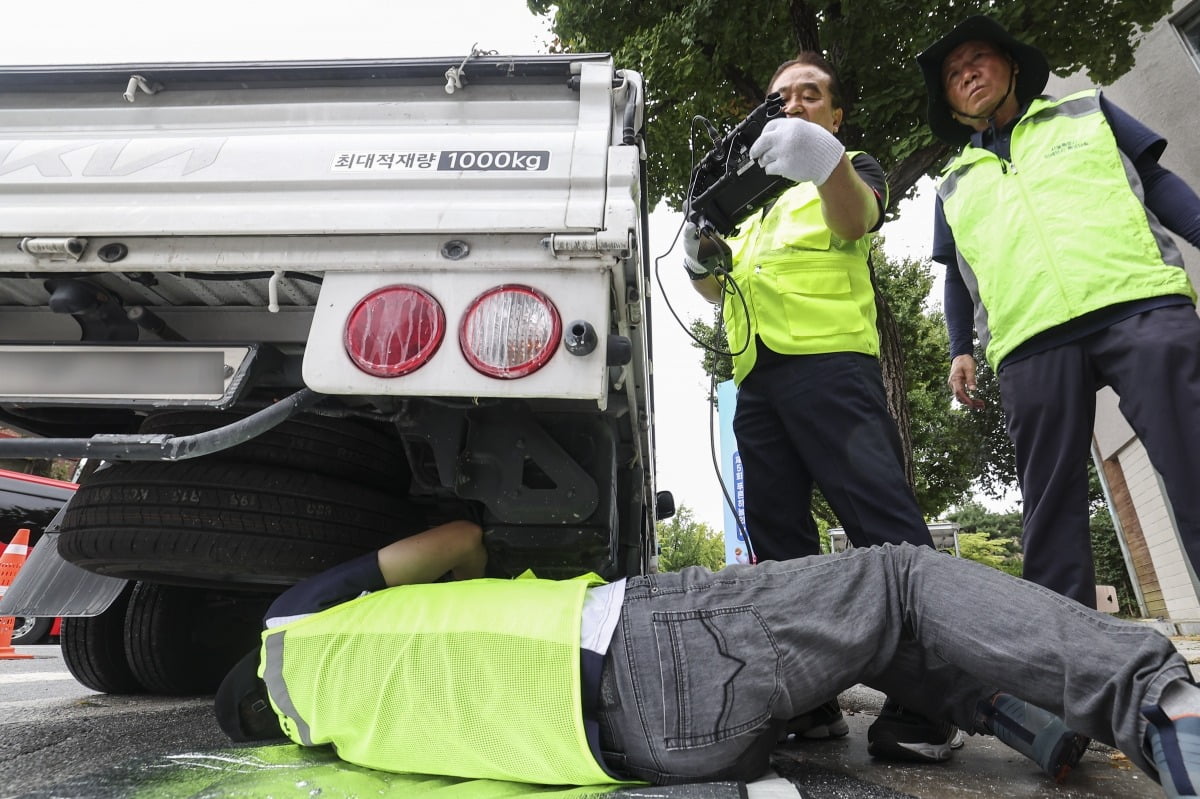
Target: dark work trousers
[1152,362]
[821,419]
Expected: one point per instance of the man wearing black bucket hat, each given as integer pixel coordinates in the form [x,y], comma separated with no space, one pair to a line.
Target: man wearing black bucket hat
[1053,223]
[684,677]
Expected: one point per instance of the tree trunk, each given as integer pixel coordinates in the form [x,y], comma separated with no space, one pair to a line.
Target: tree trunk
[891,363]
[904,175]
[901,179]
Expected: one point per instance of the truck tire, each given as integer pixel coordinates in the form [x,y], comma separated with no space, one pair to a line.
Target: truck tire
[28,630]
[308,443]
[183,641]
[93,649]
[210,523]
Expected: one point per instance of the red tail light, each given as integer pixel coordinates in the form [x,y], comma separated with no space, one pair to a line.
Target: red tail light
[510,331]
[394,330]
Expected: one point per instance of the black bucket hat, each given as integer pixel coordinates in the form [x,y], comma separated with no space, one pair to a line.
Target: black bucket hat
[1032,74]
[243,709]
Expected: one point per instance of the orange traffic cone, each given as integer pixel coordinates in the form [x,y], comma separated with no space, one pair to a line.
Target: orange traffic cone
[10,563]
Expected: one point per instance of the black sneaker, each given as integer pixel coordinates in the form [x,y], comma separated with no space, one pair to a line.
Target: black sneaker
[900,734]
[823,721]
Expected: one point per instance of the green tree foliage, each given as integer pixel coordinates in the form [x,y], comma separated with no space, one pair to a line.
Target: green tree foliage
[943,438]
[993,461]
[1110,561]
[1003,530]
[715,357]
[973,517]
[988,551]
[1111,568]
[714,58]
[993,539]
[683,541]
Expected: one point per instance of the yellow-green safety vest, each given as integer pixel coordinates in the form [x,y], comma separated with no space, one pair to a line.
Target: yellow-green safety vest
[477,679]
[1057,231]
[806,291]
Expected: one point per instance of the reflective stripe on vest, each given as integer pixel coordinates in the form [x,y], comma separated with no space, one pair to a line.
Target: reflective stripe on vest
[475,679]
[806,291]
[1058,231]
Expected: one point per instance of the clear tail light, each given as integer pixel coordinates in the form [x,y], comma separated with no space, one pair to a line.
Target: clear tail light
[394,331]
[510,331]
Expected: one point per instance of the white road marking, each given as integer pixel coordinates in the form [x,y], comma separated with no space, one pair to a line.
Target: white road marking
[35,676]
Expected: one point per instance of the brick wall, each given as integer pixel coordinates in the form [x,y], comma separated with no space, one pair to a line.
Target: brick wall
[1135,540]
[1157,525]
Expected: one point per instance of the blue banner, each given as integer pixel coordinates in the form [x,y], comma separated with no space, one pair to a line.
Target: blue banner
[736,549]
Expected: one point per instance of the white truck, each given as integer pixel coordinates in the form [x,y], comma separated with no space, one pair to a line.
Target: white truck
[300,309]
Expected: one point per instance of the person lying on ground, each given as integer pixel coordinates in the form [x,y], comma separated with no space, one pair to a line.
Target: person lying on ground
[409,660]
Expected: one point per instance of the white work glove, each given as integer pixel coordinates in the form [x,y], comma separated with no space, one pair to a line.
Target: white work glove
[797,150]
[698,267]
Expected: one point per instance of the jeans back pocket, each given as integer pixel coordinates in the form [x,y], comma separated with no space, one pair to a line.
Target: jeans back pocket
[720,673]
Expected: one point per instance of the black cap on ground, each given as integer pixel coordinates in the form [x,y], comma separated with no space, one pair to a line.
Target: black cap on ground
[243,709]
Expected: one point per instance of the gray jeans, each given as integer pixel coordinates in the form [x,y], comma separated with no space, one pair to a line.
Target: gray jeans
[704,667]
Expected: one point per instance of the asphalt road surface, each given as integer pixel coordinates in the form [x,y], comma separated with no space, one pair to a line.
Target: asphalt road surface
[59,739]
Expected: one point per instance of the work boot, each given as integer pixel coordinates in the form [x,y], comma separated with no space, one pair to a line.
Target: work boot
[823,721]
[1175,748]
[1038,734]
[900,734]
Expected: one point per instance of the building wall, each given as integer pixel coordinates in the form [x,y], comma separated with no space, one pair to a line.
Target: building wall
[1174,574]
[1136,551]
[1163,91]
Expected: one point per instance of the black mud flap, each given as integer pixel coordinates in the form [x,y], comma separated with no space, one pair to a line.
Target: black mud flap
[532,470]
[569,537]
